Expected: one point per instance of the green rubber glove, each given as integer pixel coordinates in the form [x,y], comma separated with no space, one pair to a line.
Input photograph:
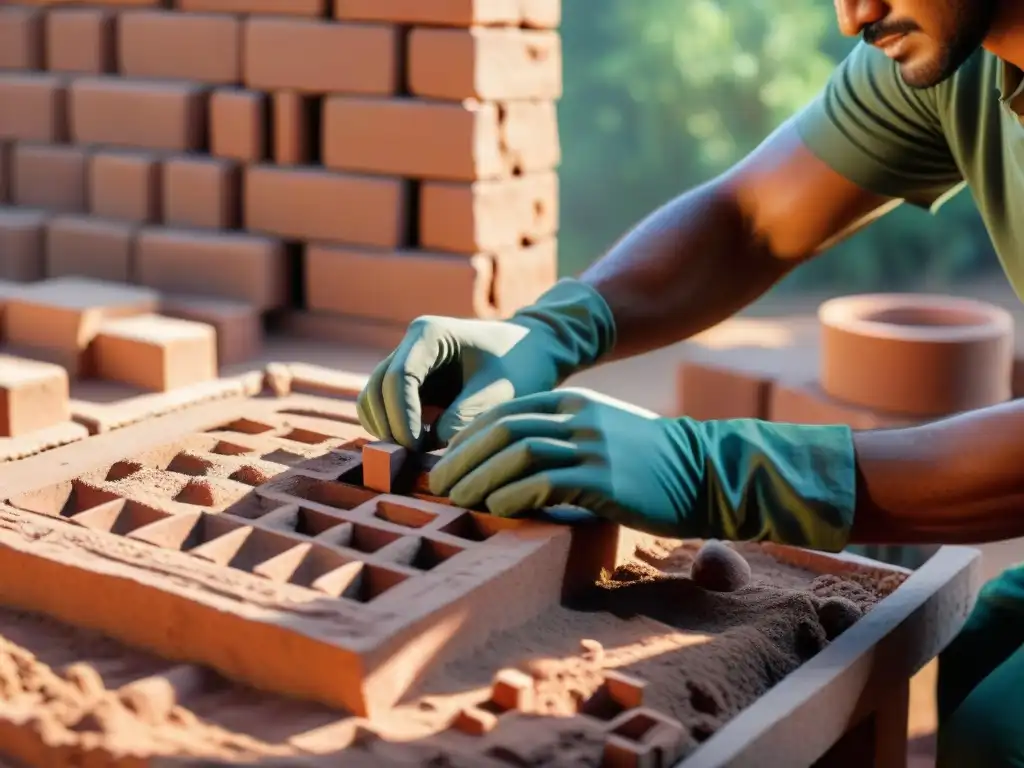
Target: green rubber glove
[468,366]
[737,480]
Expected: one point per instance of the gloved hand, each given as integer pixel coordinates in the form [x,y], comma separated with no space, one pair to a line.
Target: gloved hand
[738,480]
[468,366]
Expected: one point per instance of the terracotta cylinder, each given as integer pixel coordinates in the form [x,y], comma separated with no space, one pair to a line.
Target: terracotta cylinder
[916,355]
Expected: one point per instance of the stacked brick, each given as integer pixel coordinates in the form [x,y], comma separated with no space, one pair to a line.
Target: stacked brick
[359,162]
[886,361]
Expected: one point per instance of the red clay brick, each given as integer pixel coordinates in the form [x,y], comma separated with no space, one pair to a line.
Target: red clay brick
[439,140]
[315,8]
[85,246]
[542,14]
[22,236]
[708,392]
[21,38]
[397,286]
[522,274]
[33,396]
[125,186]
[241,267]
[485,63]
[33,106]
[808,404]
[239,325]
[292,130]
[488,215]
[143,115]
[312,204]
[238,125]
[80,40]
[58,319]
[50,177]
[320,57]
[201,192]
[201,47]
[156,353]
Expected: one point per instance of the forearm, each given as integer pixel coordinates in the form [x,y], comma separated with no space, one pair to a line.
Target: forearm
[688,266]
[957,481]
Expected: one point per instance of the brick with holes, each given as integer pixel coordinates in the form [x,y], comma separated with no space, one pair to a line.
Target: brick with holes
[33,106]
[85,246]
[485,63]
[198,47]
[156,353]
[488,215]
[80,40]
[424,139]
[535,14]
[320,57]
[238,125]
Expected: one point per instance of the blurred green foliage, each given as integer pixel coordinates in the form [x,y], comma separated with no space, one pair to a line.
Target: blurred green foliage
[662,95]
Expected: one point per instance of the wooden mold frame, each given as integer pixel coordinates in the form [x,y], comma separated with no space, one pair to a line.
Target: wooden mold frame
[848,705]
[228,536]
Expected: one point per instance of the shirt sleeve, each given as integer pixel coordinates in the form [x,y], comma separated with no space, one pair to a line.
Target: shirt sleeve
[882,135]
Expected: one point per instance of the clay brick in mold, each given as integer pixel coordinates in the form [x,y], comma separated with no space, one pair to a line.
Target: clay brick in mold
[380,582]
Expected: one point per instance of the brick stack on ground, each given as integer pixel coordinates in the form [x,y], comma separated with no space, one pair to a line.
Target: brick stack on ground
[347,166]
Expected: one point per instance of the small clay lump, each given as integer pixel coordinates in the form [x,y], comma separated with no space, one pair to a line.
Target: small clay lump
[719,568]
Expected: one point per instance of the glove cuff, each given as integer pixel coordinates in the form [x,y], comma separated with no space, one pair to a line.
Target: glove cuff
[580,320]
[788,483]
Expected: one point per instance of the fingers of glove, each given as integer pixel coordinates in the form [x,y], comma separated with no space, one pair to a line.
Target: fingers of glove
[370,403]
[459,461]
[542,489]
[481,393]
[414,360]
[539,403]
[521,458]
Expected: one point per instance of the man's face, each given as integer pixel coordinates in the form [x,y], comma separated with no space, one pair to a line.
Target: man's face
[929,39]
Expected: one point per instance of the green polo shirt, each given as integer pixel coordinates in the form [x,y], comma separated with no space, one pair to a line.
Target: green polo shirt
[923,145]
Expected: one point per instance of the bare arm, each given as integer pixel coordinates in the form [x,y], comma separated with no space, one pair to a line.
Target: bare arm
[712,251]
[956,481]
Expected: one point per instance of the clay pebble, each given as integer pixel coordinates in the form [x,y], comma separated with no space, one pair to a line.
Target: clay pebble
[719,568]
[838,614]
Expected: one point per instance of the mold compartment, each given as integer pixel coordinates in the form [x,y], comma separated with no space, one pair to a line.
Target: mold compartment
[405,515]
[281,456]
[304,521]
[186,463]
[226,448]
[244,548]
[186,532]
[477,526]
[120,470]
[250,475]
[360,582]
[302,565]
[244,427]
[307,436]
[252,507]
[635,726]
[64,499]
[329,493]
[331,463]
[359,537]
[422,553]
[120,517]
[212,492]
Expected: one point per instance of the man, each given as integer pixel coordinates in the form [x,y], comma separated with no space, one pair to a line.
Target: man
[933,99]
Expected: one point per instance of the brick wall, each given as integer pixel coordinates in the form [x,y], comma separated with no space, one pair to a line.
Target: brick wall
[353,163]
